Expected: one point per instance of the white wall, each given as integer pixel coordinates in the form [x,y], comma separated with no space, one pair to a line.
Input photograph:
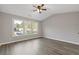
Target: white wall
[63,27]
[6,29]
[0,28]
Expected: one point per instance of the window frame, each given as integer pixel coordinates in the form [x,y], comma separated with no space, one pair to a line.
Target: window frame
[24,27]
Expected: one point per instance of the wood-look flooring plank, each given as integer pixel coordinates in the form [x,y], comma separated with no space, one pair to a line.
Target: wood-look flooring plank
[40,46]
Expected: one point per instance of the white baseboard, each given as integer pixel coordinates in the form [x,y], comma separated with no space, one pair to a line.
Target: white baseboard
[11,42]
[15,41]
[76,43]
[38,37]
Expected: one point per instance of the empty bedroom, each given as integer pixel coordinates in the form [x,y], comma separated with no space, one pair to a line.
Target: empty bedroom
[39,29]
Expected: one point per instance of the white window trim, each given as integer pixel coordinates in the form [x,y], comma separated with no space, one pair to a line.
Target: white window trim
[24,34]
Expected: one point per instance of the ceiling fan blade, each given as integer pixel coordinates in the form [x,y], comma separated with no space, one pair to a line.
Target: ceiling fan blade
[42,5]
[44,9]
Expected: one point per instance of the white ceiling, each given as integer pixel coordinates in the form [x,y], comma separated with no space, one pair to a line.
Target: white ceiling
[26,10]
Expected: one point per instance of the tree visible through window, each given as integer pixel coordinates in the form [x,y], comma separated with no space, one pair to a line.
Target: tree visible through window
[27,26]
[22,27]
[18,27]
[34,27]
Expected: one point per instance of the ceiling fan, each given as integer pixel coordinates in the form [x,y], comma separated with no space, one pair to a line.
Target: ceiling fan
[39,8]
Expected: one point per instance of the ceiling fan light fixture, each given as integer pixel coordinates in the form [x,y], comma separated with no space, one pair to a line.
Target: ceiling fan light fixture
[40,8]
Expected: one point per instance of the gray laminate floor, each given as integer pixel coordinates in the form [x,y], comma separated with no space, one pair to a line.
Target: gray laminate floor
[40,46]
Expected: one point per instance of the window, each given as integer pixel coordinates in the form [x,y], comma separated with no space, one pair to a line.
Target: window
[34,27]
[25,27]
[18,27]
